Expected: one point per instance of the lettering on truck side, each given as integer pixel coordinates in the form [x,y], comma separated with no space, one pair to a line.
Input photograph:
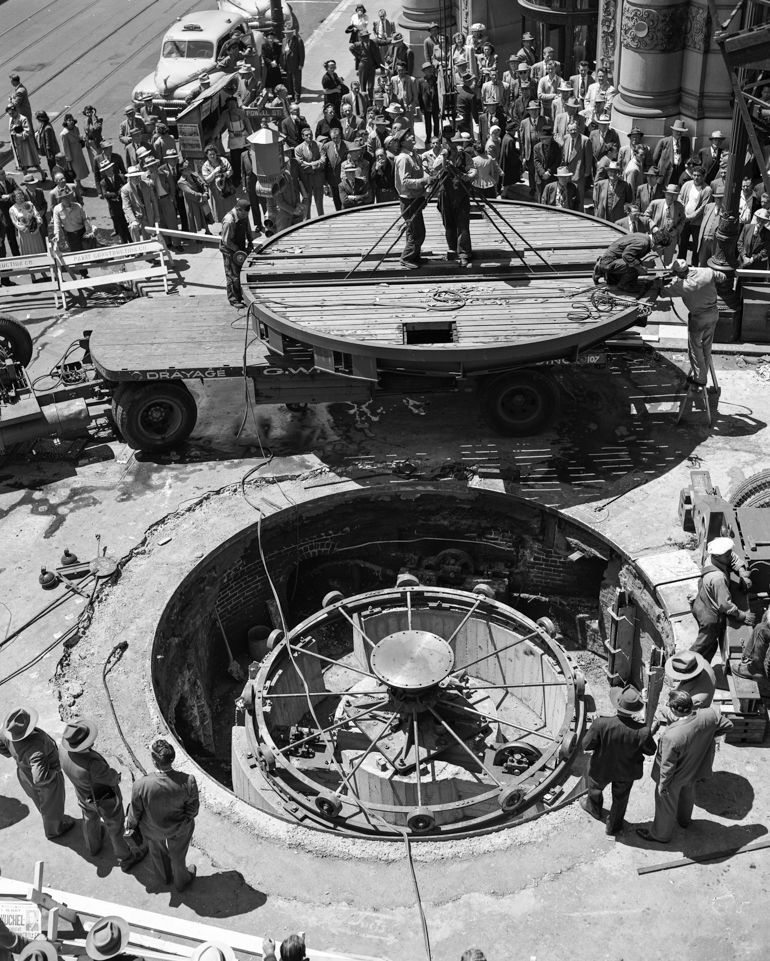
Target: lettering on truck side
[277,371]
[210,374]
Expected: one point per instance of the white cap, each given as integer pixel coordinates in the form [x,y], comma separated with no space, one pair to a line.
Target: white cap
[720,545]
[679,266]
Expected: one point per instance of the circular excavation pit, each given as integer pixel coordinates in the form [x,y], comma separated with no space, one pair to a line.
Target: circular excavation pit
[416,664]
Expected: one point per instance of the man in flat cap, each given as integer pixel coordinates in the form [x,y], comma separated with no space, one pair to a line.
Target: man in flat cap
[713,603]
[38,768]
[164,805]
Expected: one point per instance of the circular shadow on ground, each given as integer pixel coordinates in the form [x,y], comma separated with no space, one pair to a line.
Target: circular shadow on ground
[11,811]
[726,794]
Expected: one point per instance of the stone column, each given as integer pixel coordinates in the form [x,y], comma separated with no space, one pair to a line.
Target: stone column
[706,90]
[652,36]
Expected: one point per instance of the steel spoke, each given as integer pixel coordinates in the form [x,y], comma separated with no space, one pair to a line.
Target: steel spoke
[388,724]
[465,747]
[355,626]
[328,660]
[465,620]
[332,727]
[327,694]
[497,650]
[417,756]
[499,720]
[496,687]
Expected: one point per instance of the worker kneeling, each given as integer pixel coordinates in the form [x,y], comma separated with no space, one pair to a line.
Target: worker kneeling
[623,262]
[697,288]
[235,237]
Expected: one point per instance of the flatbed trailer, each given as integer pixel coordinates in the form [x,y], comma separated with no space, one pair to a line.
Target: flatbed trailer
[331,320]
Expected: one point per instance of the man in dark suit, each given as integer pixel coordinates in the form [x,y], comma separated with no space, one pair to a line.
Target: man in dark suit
[611,195]
[617,746]
[671,153]
[358,100]
[634,222]
[335,153]
[400,53]
[547,157]
[510,161]
[649,191]
[754,241]
[7,188]
[467,105]
[581,81]
[710,156]
[627,153]
[527,53]
[603,137]
[293,125]
[368,57]
[561,192]
[110,183]
[712,214]
[529,136]
[523,92]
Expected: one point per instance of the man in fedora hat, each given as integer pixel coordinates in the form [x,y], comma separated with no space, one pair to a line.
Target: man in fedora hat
[671,153]
[617,746]
[547,157]
[353,189]
[236,236]
[712,214]
[134,147]
[467,105]
[97,791]
[567,114]
[428,100]
[399,52]
[510,161]
[576,153]
[530,129]
[624,261]
[431,45]
[217,951]
[713,603]
[457,172]
[559,105]
[691,672]
[140,206]
[293,61]
[37,767]
[754,241]
[628,152]
[249,84]
[526,53]
[411,181]
[649,190]
[710,156]
[697,287]
[667,214]
[611,195]
[368,57]
[685,755]
[523,91]
[603,138]
[561,192]
[164,805]
[71,225]
[128,123]
[108,938]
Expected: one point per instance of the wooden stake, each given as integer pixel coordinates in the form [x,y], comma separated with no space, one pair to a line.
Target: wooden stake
[700,858]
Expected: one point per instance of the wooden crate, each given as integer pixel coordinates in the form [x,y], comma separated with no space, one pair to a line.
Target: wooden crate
[755,326]
[749,728]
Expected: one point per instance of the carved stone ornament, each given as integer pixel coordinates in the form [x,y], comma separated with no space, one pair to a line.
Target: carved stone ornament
[698,29]
[661,30]
[609,13]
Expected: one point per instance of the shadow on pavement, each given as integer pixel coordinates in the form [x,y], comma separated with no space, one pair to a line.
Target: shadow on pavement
[221,895]
[700,838]
[11,811]
[727,795]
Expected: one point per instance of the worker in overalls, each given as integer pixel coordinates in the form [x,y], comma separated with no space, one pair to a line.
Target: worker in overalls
[456,170]
[236,236]
[713,604]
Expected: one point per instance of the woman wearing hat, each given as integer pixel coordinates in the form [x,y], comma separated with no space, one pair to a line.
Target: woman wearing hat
[93,134]
[217,174]
[38,768]
[28,224]
[45,138]
[332,85]
[72,144]
[22,139]
[617,746]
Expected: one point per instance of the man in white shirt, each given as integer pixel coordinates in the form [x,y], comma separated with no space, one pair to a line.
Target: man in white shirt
[410,181]
[693,196]
[71,223]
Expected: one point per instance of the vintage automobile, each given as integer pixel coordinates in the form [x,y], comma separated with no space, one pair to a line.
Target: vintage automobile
[258,13]
[190,49]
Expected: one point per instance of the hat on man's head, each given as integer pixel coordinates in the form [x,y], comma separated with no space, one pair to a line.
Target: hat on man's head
[213,951]
[691,162]
[381,120]
[395,108]
[348,165]
[763,217]
[672,189]
[129,108]
[716,135]
[635,131]
[533,105]
[29,179]
[106,165]
[572,102]
[245,68]
[242,205]
[721,545]
[464,139]
[626,700]
[133,172]
[680,126]
[79,735]
[564,86]
[528,36]
[427,64]
[651,172]
[679,266]
[143,151]
[151,162]
[467,75]
[522,66]
[563,172]
[603,119]
[107,938]
[685,665]
[718,190]
[170,154]
[365,33]
[20,723]
[433,26]
[475,27]
[397,38]
[39,950]
[613,165]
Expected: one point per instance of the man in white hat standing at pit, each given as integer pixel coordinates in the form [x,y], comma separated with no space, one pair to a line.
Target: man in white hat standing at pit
[97,791]
[697,287]
[617,746]
[37,767]
[713,603]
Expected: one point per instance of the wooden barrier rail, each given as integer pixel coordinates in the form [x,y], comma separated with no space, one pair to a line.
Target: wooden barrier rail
[27,266]
[71,263]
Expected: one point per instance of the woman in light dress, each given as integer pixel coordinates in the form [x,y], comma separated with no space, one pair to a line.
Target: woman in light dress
[217,174]
[26,220]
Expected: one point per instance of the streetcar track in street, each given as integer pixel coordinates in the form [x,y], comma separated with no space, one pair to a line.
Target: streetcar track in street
[43,36]
[30,17]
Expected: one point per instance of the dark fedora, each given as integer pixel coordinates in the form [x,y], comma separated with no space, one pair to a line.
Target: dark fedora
[626,700]
[20,723]
[79,735]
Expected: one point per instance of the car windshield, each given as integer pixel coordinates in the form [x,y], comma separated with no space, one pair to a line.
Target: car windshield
[188,49]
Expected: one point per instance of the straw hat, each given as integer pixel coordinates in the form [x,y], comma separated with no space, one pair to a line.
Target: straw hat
[685,665]
[107,938]
[79,735]
[20,723]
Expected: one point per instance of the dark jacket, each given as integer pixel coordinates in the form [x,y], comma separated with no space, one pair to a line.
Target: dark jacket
[619,745]
[754,244]
[467,108]
[663,158]
[90,774]
[546,161]
[686,749]
[367,54]
[163,803]
[756,649]
[551,195]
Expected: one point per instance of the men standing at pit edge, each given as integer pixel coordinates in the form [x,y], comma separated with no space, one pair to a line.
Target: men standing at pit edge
[713,604]
[37,767]
[685,755]
[164,805]
[617,745]
[410,181]
[97,791]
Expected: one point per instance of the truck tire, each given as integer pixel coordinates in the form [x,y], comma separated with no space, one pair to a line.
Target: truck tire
[753,492]
[154,417]
[15,340]
[519,403]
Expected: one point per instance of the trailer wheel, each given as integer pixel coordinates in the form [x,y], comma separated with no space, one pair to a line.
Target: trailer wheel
[753,492]
[519,403]
[154,417]
[15,340]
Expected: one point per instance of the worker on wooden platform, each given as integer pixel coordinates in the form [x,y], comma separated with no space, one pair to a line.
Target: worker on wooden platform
[411,181]
[623,262]
[713,604]
[617,746]
[457,171]
[164,805]
[692,673]
[97,791]
[37,767]
[755,660]
[697,287]
[685,755]
[236,236]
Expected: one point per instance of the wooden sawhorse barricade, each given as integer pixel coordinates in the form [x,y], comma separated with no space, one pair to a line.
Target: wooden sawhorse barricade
[68,265]
[29,266]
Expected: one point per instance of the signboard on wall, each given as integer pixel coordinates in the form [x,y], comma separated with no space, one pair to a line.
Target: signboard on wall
[22,918]
[189,137]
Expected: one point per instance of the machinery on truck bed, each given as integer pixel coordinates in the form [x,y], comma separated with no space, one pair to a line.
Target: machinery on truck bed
[330,321]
